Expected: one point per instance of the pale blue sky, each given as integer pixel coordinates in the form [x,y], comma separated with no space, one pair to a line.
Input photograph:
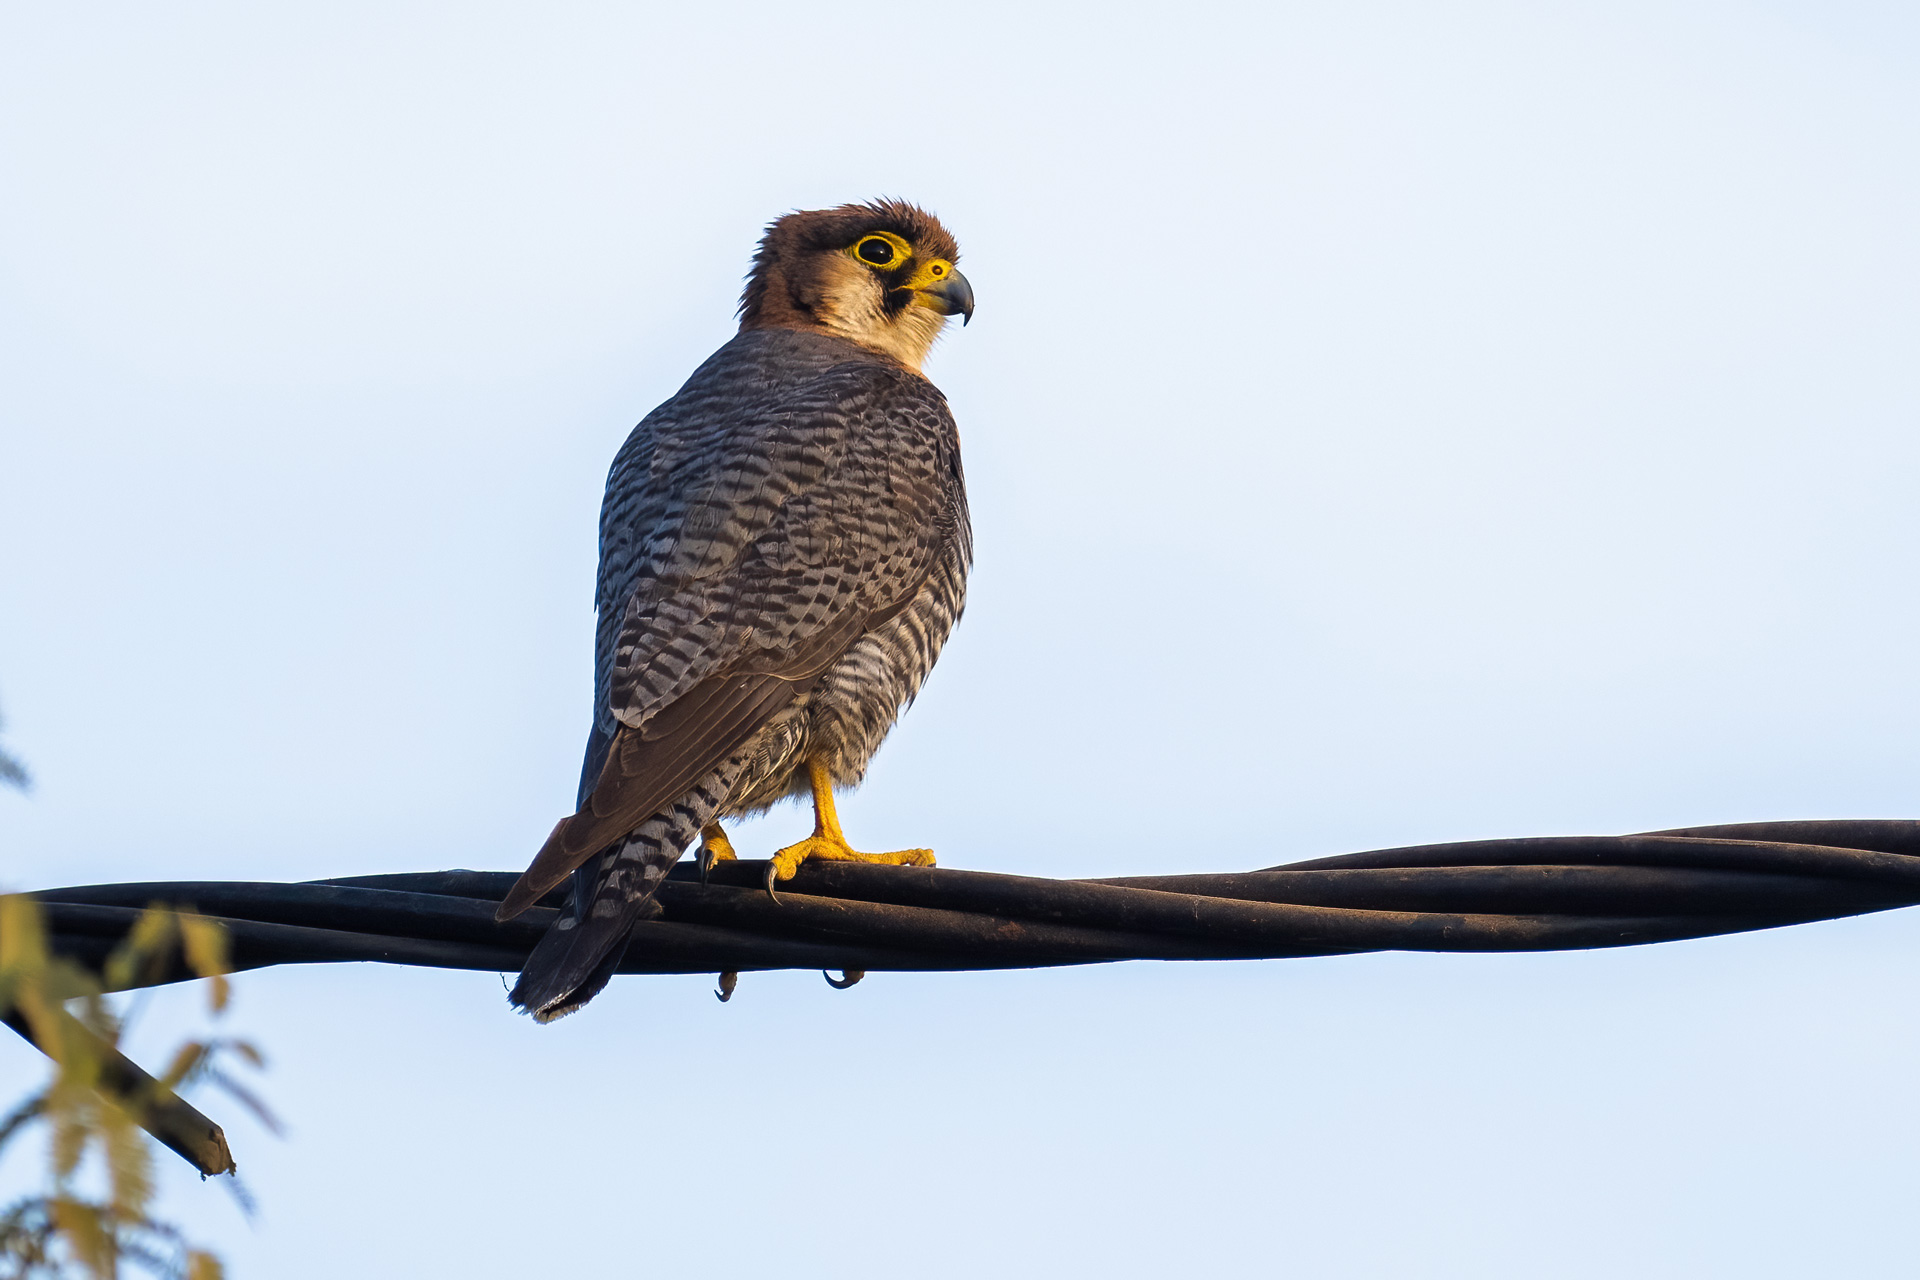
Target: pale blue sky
[1384,424]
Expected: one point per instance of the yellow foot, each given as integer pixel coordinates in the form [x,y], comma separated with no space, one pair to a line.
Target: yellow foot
[714,848]
[826,842]
[832,847]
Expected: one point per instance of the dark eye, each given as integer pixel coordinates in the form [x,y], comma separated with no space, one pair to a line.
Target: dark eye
[875,250]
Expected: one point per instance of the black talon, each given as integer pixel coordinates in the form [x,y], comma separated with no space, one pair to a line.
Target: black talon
[705,859]
[728,981]
[847,978]
[770,893]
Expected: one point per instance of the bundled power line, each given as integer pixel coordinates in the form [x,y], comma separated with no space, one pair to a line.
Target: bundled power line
[1547,894]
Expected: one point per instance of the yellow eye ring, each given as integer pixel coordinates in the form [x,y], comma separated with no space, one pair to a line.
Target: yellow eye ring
[881,250]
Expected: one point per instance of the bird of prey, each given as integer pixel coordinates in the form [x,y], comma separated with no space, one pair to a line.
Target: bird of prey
[784,548]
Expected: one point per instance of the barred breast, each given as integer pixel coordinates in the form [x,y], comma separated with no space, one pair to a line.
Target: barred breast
[860,696]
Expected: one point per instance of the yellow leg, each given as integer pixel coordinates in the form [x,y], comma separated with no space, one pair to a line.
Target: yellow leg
[827,842]
[714,847]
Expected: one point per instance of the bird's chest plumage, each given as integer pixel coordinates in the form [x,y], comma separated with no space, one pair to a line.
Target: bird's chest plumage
[848,710]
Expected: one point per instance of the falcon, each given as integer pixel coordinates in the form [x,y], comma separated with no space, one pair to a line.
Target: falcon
[784,549]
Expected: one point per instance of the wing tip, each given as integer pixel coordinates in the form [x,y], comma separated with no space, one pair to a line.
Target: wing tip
[518,899]
[543,873]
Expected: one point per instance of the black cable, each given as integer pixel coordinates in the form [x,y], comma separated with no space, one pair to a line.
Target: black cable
[1548,894]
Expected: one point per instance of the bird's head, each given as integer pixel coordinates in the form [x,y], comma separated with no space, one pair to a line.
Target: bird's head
[880,274]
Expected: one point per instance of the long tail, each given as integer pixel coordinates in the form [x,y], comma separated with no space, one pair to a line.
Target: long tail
[581,950]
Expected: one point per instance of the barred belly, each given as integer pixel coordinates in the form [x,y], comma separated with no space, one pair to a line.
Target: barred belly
[855,702]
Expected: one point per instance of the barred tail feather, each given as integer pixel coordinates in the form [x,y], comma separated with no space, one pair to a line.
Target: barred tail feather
[645,770]
[579,953]
[574,961]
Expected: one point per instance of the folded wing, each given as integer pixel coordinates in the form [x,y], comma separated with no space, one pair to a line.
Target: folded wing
[744,549]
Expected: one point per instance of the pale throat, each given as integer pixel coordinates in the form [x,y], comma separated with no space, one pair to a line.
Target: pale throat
[853,307]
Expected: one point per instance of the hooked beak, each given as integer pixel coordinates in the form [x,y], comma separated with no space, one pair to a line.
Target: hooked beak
[951,297]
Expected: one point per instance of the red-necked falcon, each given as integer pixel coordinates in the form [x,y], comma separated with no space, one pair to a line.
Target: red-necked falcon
[784,548]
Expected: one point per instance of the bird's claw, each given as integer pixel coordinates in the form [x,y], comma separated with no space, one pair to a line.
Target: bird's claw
[728,981]
[715,848]
[847,978]
[828,845]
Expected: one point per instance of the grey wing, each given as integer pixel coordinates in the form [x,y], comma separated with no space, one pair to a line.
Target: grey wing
[634,506]
[766,544]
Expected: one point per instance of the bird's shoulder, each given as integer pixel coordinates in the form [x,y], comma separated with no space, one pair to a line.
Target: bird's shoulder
[771,414]
[797,486]
[765,380]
